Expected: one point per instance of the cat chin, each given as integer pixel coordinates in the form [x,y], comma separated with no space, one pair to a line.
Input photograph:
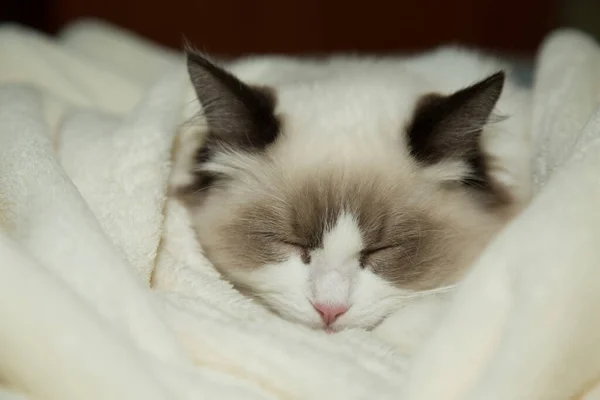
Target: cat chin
[366,325]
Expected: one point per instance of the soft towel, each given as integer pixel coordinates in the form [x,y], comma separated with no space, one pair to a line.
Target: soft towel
[105,294]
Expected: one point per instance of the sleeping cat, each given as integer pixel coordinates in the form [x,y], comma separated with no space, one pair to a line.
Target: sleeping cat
[338,192]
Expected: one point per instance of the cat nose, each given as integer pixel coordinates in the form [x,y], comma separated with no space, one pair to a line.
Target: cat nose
[330,312]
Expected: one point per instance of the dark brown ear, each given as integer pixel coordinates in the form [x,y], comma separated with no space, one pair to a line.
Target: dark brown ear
[449,127]
[238,115]
[240,118]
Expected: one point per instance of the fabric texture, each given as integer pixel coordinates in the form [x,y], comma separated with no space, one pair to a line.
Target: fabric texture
[105,294]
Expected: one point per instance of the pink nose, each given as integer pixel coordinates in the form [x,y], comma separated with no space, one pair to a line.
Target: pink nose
[329,313]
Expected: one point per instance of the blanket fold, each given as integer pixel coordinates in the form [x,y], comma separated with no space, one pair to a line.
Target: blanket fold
[106,294]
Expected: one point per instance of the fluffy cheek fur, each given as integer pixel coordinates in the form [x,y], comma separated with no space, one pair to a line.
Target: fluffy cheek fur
[282,287]
[288,287]
[373,300]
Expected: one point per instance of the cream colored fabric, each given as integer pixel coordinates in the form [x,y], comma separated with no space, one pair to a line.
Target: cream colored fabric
[85,144]
[524,324]
[105,294]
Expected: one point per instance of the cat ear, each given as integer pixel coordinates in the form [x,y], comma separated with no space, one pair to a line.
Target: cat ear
[239,116]
[448,128]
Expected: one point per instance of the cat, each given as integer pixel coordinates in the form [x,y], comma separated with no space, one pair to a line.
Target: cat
[339,192]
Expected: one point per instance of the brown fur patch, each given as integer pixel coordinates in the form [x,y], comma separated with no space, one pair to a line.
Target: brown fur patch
[450,127]
[404,241]
[239,117]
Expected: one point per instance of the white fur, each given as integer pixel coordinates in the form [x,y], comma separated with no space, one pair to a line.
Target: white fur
[334,268]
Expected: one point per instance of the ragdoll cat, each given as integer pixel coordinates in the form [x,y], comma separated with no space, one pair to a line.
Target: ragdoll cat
[334,191]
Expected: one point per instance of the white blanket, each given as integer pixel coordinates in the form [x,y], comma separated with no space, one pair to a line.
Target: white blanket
[104,294]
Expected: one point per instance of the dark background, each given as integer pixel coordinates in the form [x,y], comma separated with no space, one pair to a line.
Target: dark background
[236,27]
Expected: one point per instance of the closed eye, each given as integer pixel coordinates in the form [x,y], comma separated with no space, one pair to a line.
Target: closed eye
[369,252]
[302,248]
[366,253]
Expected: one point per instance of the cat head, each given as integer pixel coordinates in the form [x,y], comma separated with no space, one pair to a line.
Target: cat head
[333,204]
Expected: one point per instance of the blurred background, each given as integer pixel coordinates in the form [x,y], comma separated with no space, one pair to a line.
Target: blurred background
[237,27]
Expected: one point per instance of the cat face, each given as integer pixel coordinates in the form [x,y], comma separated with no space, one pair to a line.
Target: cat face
[334,205]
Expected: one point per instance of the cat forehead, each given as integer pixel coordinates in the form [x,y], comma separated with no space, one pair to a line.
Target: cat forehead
[347,103]
[345,121]
[360,140]
[358,92]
